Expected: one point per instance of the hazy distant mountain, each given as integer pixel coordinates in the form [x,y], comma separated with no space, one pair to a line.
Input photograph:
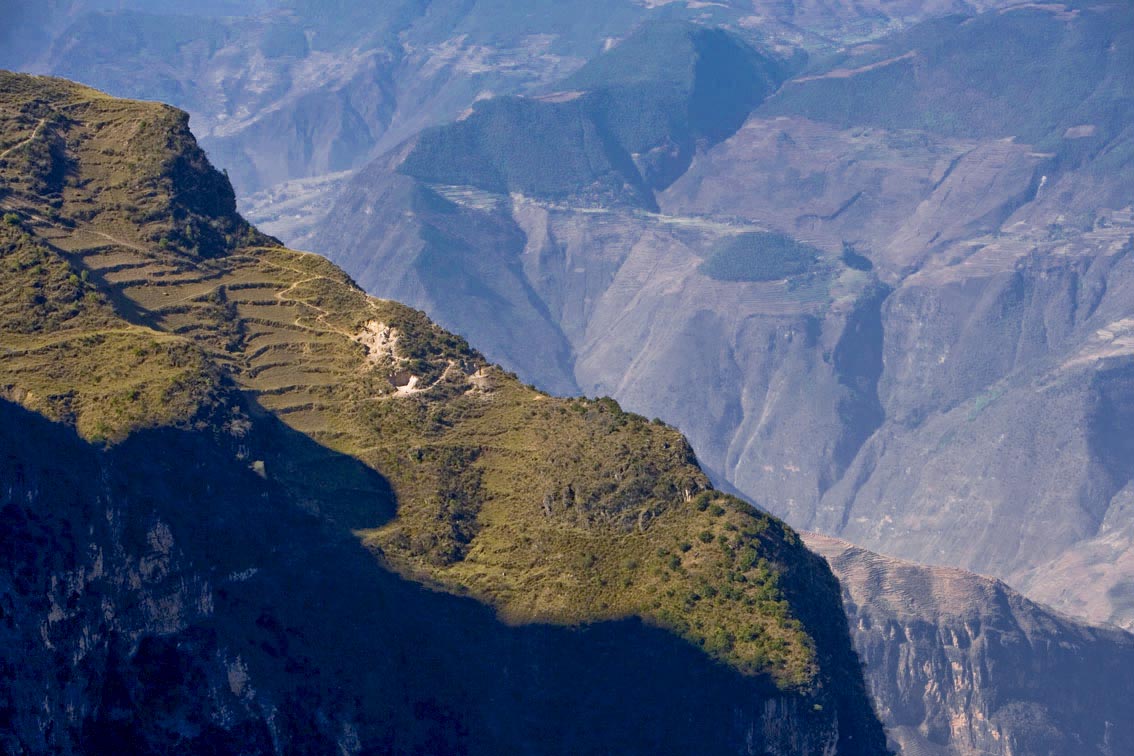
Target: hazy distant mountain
[960,664]
[893,306]
[290,95]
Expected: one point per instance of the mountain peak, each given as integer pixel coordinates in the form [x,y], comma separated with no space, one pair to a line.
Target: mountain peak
[134,170]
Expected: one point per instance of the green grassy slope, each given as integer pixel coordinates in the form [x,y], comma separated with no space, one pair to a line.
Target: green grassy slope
[134,295]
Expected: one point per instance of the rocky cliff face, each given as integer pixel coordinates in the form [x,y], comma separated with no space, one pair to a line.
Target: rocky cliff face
[247,508]
[960,664]
[943,379]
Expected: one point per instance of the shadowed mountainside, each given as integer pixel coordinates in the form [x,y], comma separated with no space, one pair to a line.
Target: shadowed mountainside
[279,484]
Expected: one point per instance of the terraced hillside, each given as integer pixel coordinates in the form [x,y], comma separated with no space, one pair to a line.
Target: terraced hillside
[136,302]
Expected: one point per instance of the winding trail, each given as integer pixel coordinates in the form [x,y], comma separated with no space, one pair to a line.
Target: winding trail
[34,134]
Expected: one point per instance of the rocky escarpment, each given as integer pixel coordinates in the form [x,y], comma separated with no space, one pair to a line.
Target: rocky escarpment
[250,508]
[961,664]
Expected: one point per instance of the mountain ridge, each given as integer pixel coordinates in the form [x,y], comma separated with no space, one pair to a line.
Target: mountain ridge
[164,313]
[623,126]
[358,80]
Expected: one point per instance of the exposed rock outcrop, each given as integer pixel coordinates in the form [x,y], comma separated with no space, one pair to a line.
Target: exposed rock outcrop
[963,665]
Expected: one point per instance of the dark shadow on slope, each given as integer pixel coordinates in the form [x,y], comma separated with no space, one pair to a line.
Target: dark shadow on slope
[193,606]
[1109,434]
[857,361]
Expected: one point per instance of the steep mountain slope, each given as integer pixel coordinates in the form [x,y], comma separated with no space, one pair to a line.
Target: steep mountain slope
[960,664]
[205,433]
[1043,70]
[854,305]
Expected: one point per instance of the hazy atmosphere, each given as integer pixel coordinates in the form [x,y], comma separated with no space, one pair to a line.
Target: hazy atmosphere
[567,377]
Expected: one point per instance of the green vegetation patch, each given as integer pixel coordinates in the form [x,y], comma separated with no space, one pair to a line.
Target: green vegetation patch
[68,356]
[759,256]
[573,511]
